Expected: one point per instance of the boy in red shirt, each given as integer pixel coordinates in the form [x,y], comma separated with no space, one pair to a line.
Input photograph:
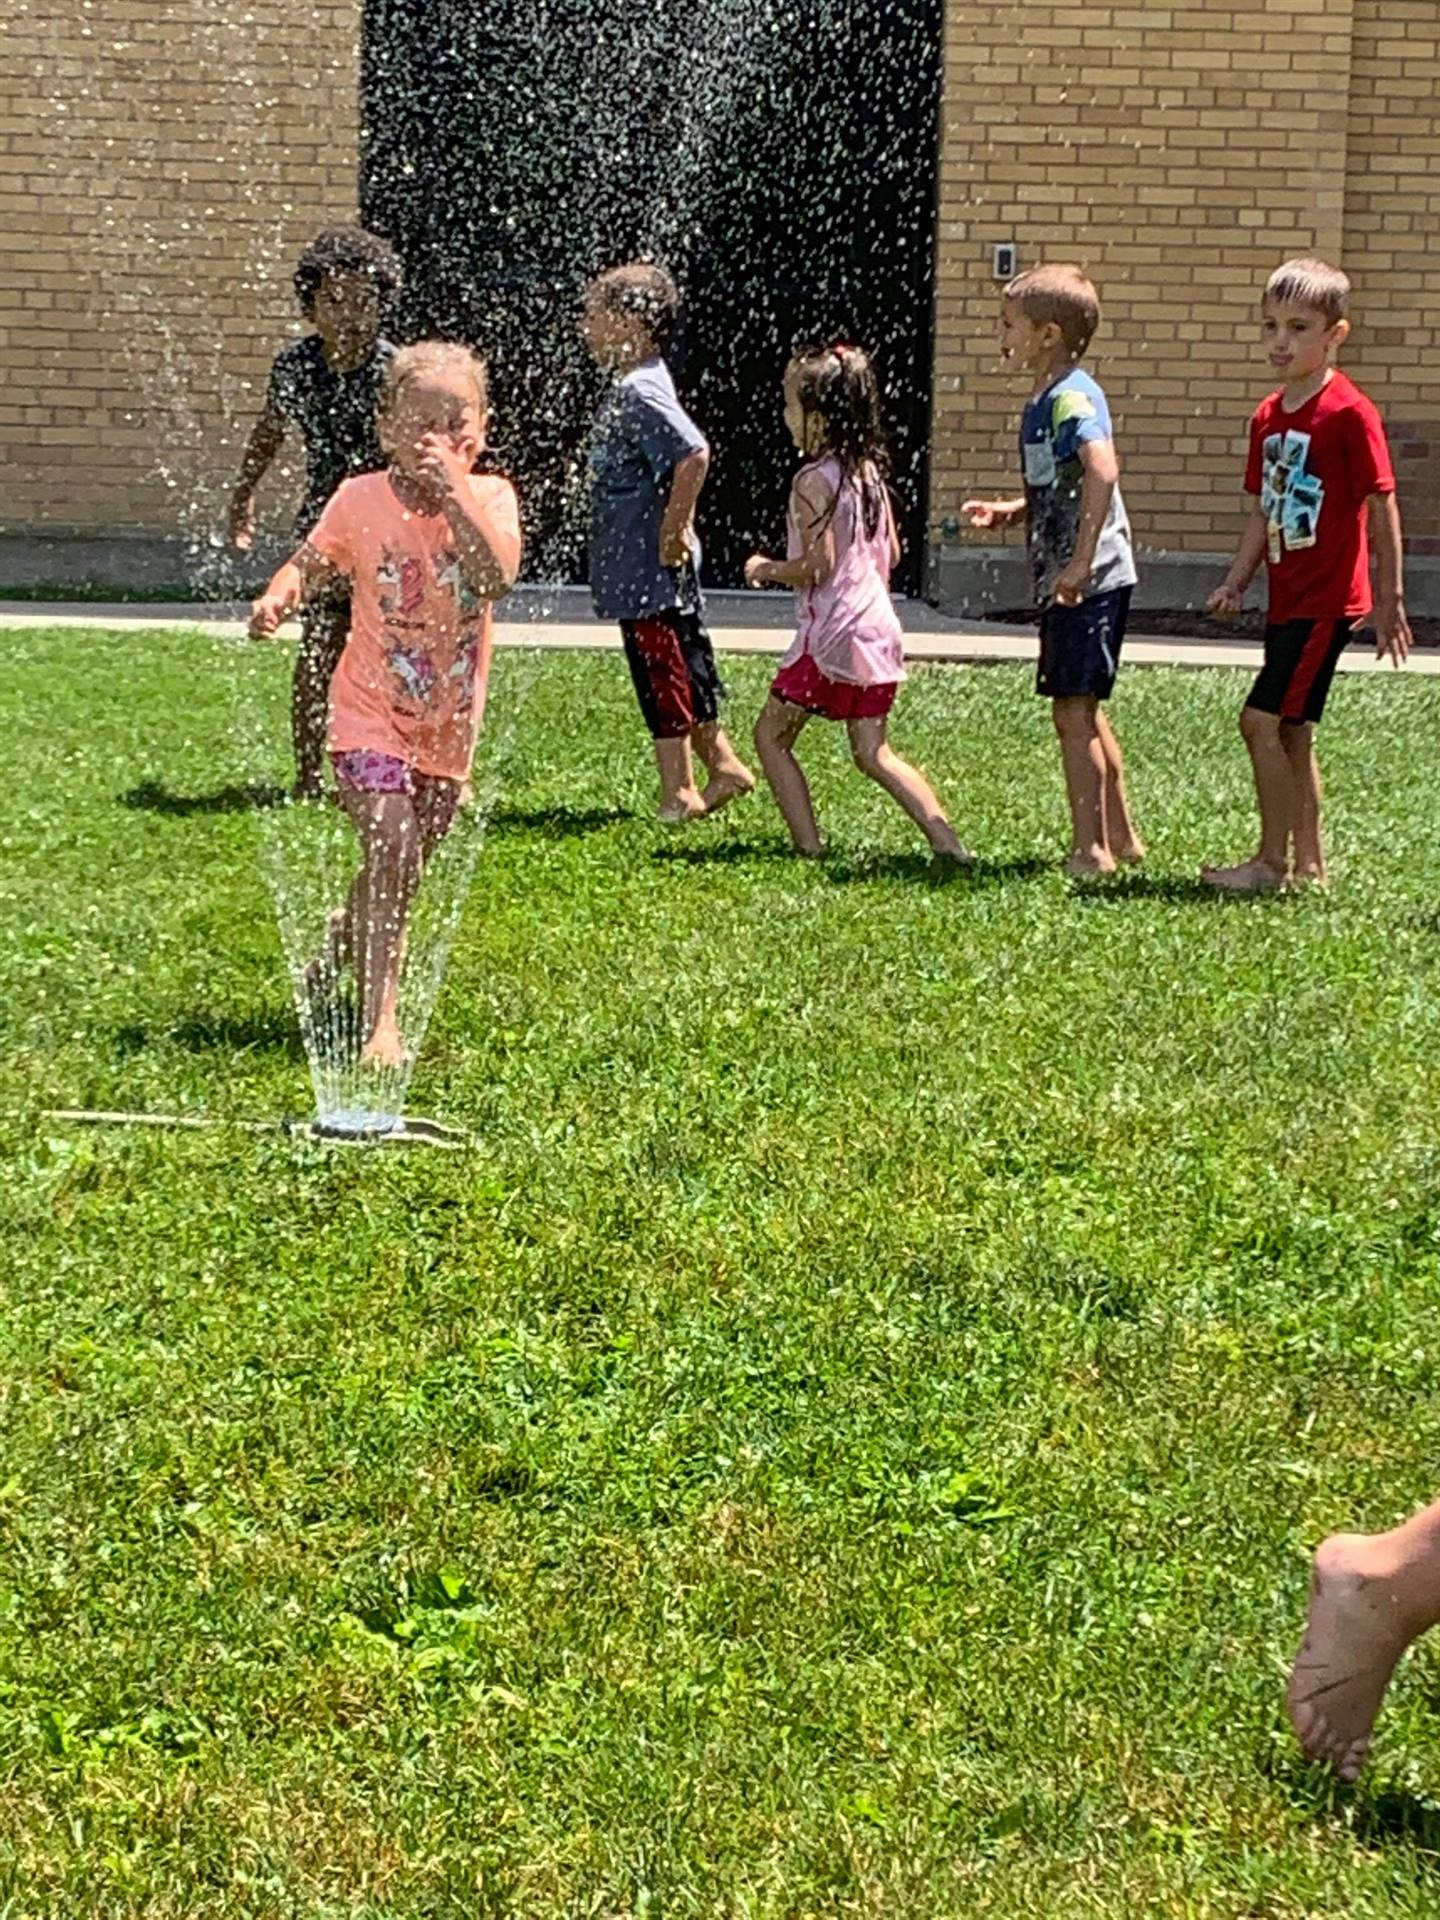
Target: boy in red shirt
[1324,492]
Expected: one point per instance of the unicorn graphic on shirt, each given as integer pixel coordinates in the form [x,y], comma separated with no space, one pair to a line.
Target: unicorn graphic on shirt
[450,576]
[401,581]
[1291,497]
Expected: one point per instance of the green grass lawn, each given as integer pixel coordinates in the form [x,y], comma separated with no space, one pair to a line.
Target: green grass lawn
[847,1438]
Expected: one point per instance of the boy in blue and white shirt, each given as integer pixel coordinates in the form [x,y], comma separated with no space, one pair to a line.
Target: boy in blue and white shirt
[1080,548]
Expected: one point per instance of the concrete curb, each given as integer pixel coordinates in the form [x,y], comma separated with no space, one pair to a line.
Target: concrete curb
[758,624]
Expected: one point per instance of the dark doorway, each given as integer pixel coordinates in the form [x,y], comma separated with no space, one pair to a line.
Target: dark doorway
[780,156]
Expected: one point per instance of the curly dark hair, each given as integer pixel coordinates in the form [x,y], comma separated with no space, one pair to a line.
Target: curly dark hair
[644,290]
[837,385]
[346,250]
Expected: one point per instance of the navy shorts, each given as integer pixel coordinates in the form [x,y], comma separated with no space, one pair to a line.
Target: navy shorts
[672,664]
[1080,646]
[1300,661]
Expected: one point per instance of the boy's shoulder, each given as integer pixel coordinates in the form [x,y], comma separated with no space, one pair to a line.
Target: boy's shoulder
[1075,400]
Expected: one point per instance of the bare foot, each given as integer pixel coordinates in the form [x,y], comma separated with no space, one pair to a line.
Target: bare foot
[680,808]
[1353,1637]
[1088,864]
[384,1048]
[1132,854]
[954,859]
[722,788]
[1251,876]
[1306,877]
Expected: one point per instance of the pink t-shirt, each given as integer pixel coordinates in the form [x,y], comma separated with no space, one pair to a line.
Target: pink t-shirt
[411,681]
[849,626]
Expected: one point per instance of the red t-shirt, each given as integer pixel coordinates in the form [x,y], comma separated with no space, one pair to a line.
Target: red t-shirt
[1313,470]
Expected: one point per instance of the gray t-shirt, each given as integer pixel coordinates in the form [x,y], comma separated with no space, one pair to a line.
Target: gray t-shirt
[1056,425]
[641,435]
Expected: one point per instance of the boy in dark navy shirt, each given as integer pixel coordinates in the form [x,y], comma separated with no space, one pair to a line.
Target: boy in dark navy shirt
[648,463]
[326,386]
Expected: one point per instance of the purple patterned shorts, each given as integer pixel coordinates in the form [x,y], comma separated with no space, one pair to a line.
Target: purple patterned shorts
[364,770]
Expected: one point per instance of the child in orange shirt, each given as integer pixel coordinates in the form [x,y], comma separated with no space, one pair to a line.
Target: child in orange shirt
[426,547]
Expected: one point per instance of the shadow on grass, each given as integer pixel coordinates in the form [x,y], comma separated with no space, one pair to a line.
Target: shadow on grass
[845,869]
[1396,1814]
[273,1030]
[556,823]
[151,797]
[1114,889]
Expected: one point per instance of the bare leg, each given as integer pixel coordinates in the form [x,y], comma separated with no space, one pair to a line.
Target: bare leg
[1124,842]
[1371,1596]
[324,628]
[730,778]
[776,731]
[1306,795]
[679,797]
[878,760]
[1275,790]
[1083,754]
[390,834]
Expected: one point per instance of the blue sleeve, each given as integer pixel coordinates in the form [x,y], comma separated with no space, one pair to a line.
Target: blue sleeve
[662,430]
[1079,416]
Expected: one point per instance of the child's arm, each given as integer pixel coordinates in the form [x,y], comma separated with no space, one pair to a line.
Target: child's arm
[810,501]
[488,549]
[1392,623]
[1229,597]
[676,527]
[305,572]
[986,514]
[264,443]
[1100,477]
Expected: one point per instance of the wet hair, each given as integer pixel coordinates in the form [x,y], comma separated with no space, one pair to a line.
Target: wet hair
[644,291]
[1308,282]
[346,250]
[432,357]
[1062,296]
[837,385]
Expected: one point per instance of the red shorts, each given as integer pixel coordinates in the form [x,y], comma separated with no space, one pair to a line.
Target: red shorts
[803,685]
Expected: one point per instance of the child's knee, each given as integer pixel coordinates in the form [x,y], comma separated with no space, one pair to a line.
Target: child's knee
[1257,726]
[869,757]
[1075,719]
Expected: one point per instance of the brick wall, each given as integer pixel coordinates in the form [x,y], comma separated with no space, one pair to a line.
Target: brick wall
[161,163]
[1392,224]
[1181,151]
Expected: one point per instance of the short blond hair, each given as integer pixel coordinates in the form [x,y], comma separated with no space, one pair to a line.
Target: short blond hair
[1060,295]
[431,357]
[1310,282]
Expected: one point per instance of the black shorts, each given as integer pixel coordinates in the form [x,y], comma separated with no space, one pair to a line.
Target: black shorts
[1080,646]
[1300,661]
[673,666]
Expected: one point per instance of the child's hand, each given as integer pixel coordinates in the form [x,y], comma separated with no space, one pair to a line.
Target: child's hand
[269,613]
[1071,584]
[1392,633]
[757,570]
[984,513]
[242,522]
[443,467]
[675,548]
[1226,602]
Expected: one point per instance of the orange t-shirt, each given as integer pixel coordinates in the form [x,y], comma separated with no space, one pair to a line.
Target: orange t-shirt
[411,681]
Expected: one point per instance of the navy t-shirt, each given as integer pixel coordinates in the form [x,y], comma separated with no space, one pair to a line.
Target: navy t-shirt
[334,414]
[641,436]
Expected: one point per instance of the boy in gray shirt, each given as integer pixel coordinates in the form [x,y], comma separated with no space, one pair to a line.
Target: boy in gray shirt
[648,462]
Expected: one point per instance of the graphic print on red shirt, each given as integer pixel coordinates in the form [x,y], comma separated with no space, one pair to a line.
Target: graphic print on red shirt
[1313,471]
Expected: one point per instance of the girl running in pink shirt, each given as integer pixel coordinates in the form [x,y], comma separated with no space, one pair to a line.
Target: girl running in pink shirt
[846,661]
[425,548]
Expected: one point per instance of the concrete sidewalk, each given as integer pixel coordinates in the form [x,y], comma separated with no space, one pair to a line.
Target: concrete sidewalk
[741,623]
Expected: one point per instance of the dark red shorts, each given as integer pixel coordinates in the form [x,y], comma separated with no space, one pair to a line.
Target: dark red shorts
[802,684]
[672,664]
[1300,661]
